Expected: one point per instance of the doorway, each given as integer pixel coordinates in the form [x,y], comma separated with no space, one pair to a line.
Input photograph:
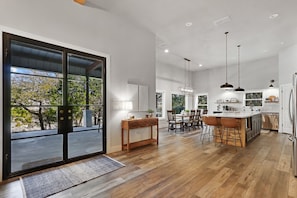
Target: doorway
[54,102]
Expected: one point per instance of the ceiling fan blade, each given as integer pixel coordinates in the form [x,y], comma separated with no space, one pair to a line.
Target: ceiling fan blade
[82,2]
[90,4]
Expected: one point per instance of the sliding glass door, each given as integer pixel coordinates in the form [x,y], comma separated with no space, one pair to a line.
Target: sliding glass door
[54,105]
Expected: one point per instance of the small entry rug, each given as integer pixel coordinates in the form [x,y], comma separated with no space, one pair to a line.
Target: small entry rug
[50,182]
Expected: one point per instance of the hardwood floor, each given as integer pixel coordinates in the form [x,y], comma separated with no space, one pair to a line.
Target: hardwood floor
[183,167]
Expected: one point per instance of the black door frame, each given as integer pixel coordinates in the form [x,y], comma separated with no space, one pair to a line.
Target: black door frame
[7,37]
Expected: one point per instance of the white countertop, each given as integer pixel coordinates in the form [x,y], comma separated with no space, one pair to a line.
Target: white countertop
[234,114]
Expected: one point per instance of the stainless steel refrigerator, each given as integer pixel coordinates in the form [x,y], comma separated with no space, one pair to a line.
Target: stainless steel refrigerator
[293,117]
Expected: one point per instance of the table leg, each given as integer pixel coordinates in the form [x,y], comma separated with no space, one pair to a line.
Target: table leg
[151,132]
[157,133]
[128,140]
[122,139]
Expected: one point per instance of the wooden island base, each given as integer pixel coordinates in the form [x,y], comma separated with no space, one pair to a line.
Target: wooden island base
[250,127]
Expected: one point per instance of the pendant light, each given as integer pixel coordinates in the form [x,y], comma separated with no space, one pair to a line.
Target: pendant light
[187,89]
[239,88]
[226,85]
[271,85]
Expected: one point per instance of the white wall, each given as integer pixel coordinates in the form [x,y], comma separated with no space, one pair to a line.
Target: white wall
[287,64]
[130,50]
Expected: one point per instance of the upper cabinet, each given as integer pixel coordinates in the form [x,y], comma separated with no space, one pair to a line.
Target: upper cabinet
[133,96]
[254,99]
[142,98]
[139,97]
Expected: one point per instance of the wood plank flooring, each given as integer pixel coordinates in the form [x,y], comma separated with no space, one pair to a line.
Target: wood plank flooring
[183,167]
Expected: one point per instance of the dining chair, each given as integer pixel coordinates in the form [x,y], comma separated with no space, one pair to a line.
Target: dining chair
[197,119]
[172,121]
[189,122]
[204,111]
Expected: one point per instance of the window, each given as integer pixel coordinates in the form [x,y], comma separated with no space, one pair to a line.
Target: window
[159,104]
[178,103]
[253,99]
[202,101]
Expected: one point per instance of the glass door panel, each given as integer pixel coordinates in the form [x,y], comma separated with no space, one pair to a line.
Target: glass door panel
[85,97]
[35,93]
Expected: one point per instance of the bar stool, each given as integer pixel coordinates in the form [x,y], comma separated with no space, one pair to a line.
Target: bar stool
[210,123]
[231,130]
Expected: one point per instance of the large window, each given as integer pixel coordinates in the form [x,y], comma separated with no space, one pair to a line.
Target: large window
[178,103]
[159,104]
[202,101]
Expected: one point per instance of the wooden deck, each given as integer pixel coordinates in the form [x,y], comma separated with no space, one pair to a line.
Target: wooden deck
[182,167]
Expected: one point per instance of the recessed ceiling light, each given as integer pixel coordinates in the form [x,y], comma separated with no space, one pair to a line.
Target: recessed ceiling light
[166,50]
[273,16]
[200,65]
[189,24]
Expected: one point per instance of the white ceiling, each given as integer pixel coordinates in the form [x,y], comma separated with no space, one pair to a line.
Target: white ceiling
[204,42]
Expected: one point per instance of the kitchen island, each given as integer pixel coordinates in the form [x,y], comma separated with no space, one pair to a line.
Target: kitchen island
[250,126]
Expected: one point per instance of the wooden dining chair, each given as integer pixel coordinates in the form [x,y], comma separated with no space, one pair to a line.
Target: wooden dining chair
[172,121]
[189,122]
[197,119]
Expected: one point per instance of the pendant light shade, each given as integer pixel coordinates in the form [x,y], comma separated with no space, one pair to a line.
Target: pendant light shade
[238,88]
[226,85]
[271,85]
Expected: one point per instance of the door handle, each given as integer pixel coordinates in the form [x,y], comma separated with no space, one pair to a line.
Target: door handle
[290,100]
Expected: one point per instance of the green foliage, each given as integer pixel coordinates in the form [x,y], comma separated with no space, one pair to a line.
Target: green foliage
[202,99]
[150,111]
[20,116]
[178,103]
[35,97]
[159,104]
[30,93]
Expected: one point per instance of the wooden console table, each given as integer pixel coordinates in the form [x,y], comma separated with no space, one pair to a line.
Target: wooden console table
[139,123]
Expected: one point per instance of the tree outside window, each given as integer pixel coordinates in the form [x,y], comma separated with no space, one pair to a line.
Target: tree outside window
[202,101]
[178,103]
[159,104]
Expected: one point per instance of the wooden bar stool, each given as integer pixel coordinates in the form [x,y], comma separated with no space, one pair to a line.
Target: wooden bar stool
[231,130]
[210,123]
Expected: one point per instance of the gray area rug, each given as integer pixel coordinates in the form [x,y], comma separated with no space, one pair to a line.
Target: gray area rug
[50,182]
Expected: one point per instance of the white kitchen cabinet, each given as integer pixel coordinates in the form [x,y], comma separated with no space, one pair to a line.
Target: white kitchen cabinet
[138,94]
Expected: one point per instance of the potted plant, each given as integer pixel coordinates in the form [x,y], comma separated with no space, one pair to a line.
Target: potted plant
[187,111]
[150,112]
